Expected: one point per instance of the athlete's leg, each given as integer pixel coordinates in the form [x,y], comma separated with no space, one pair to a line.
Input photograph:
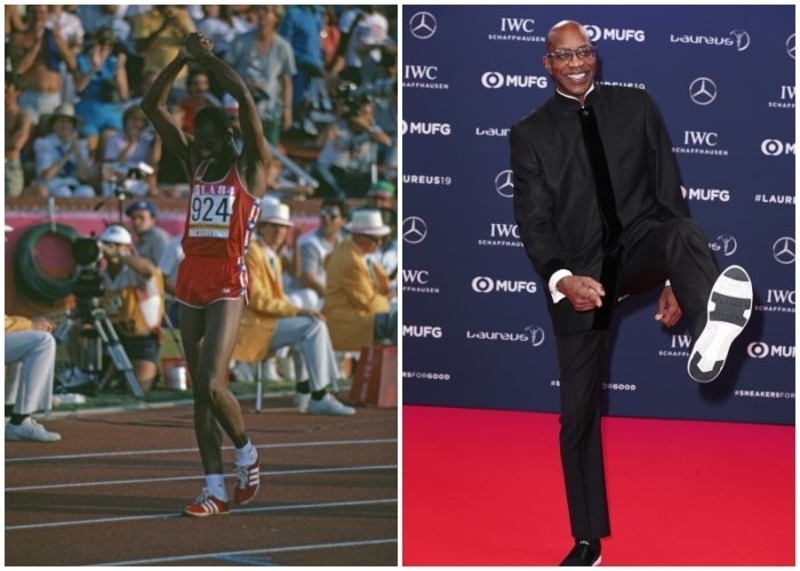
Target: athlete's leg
[206,429]
[211,391]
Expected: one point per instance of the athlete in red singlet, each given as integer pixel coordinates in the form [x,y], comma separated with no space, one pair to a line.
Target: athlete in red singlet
[212,279]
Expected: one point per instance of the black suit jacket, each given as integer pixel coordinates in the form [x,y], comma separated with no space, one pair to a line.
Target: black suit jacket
[555,202]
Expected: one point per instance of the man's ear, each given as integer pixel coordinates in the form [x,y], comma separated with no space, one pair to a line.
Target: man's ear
[548,64]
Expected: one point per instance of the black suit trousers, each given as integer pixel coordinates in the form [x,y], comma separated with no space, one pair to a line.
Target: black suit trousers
[677,250]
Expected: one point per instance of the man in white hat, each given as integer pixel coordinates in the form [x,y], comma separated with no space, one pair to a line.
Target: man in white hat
[270,321]
[63,165]
[358,299]
[30,351]
[134,301]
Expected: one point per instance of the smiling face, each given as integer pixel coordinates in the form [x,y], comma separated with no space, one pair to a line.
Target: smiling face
[575,76]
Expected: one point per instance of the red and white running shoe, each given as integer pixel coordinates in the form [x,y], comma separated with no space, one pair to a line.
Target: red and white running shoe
[247,482]
[206,505]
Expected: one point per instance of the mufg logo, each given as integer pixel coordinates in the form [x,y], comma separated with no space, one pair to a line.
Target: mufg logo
[422,25]
[775,148]
[596,33]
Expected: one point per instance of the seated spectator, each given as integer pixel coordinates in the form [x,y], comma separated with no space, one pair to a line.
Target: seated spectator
[121,151]
[63,165]
[101,83]
[381,197]
[344,165]
[18,132]
[199,97]
[315,246]
[270,321]
[30,361]
[152,240]
[134,302]
[359,304]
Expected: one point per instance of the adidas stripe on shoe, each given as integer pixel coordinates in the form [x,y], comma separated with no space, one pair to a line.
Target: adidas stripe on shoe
[206,505]
[729,307]
[248,481]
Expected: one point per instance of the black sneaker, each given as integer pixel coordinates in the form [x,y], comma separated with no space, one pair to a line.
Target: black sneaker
[729,306]
[584,554]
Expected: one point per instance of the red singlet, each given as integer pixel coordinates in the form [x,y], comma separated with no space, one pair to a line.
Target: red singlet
[219,224]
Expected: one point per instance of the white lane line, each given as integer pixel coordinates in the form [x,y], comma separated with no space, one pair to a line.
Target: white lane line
[129,519]
[231,554]
[188,450]
[184,478]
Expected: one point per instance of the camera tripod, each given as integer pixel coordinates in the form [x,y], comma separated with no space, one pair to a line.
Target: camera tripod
[93,339]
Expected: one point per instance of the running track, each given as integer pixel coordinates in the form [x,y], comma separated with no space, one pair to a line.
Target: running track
[111,492]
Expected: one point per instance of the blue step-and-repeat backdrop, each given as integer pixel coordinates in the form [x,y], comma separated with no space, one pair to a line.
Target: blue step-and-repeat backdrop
[476,332]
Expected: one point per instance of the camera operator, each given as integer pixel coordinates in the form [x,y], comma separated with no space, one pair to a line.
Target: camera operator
[134,301]
[350,149]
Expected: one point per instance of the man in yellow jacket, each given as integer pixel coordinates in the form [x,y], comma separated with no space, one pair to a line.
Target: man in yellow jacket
[270,321]
[30,363]
[359,304]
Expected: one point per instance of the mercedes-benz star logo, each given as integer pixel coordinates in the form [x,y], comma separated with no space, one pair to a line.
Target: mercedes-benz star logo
[703,91]
[783,250]
[504,183]
[414,230]
[422,25]
[790,46]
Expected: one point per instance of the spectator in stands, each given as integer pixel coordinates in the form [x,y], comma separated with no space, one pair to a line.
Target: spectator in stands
[358,300]
[345,164]
[381,197]
[221,25]
[151,240]
[302,28]
[72,31]
[36,53]
[266,62]
[383,91]
[270,321]
[134,301]
[96,16]
[30,351]
[101,82]
[122,151]
[18,132]
[158,34]
[199,97]
[314,247]
[63,165]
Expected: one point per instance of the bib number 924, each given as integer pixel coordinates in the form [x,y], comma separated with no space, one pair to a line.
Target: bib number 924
[211,209]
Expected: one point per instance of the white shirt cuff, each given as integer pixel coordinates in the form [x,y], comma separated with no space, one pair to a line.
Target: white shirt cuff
[667,283]
[557,295]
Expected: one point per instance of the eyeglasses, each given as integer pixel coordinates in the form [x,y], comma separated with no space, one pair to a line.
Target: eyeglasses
[328,214]
[565,55]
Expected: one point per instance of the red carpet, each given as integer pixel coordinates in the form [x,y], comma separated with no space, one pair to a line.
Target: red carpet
[485,488]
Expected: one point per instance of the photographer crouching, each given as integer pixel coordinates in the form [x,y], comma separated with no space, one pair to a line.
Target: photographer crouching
[133,298]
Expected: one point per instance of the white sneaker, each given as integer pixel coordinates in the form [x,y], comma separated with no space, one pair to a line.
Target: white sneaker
[30,431]
[329,405]
[270,371]
[301,401]
[730,304]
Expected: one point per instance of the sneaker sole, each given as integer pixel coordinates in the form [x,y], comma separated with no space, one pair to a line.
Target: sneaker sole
[729,308]
[597,563]
[190,514]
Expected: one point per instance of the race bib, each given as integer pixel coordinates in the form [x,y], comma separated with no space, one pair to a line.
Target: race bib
[210,214]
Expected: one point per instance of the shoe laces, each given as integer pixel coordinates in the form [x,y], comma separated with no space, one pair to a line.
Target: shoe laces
[243,475]
[204,495]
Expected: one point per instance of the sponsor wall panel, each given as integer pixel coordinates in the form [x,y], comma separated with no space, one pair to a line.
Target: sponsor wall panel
[476,331]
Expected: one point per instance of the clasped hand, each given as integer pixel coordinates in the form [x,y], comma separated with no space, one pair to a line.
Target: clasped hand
[583,292]
[196,46]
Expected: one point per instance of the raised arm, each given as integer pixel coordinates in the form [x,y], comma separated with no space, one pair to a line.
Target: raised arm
[256,157]
[154,104]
